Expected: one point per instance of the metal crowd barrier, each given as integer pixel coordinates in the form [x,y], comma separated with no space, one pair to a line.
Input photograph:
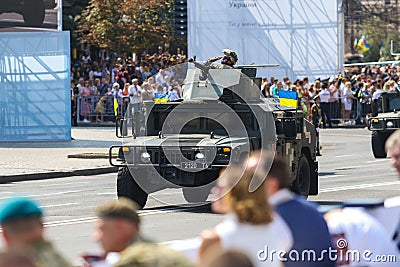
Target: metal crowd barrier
[99,109]
[359,112]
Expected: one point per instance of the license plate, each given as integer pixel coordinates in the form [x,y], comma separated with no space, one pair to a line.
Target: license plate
[194,165]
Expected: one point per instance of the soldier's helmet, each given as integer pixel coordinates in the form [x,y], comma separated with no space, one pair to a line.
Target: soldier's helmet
[230,57]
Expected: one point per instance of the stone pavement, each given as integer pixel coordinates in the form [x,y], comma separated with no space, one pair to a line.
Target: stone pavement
[40,160]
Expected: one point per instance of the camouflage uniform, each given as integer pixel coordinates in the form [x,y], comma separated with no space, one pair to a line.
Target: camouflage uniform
[19,210]
[316,121]
[45,255]
[143,253]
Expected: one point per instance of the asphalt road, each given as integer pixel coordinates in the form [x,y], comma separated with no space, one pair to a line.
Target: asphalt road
[347,171]
[13,22]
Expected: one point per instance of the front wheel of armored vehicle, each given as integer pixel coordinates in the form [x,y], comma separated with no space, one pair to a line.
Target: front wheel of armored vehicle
[196,194]
[34,13]
[127,187]
[301,184]
[378,141]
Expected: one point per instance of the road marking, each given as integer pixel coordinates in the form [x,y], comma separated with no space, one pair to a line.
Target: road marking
[362,166]
[59,205]
[343,156]
[376,160]
[107,193]
[49,185]
[361,186]
[330,176]
[50,194]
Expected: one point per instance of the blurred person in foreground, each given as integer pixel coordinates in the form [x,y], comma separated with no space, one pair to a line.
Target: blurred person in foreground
[251,226]
[22,223]
[392,147]
[355,229]
[15,259]
[118,231]
[230,258]
[307,226]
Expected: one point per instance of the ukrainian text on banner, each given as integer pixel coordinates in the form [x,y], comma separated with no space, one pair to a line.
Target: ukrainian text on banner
[299,35]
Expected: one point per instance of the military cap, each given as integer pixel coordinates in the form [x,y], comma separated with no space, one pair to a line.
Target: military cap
[18,207]
[123,208]
[316,97]
[325,80]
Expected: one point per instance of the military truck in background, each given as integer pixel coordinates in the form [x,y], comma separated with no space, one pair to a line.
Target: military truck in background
[33,11]
[220,120]
[384,121]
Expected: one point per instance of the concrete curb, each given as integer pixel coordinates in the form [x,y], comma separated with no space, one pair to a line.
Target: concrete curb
[50,175]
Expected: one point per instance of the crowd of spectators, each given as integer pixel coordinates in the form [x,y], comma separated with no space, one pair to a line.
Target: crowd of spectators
[346,99]
[95,84]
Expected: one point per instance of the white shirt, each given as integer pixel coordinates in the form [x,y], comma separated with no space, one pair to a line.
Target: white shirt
[256,241]
[360,232]
[160,78]
[377,94]
[135,99]
[342,88]
[324,95]
[173,95]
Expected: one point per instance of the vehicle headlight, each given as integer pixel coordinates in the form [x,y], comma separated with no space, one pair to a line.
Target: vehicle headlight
[145,157]
[199,156]
[389,124]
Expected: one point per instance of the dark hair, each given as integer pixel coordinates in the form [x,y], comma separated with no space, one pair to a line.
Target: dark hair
[279,170]
[274,165]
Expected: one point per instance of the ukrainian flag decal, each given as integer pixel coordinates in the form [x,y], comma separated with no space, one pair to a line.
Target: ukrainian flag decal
[160,98]
[288,98]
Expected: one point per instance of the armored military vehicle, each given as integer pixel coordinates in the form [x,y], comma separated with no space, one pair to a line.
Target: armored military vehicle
[220,120]
[385,120]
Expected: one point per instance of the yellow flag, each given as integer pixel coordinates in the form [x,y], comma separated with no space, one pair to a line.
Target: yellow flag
[115,106]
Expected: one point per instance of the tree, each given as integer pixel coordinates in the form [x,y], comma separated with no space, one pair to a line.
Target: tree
[72,9]
[386,48]
[127,26]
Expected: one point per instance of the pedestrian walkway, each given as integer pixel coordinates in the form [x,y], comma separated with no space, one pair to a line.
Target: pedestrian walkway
[41,160]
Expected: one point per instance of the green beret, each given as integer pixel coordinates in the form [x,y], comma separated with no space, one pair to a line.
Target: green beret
[18,208]
[123,208]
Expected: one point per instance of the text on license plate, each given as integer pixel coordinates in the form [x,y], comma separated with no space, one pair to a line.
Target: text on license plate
[194,165]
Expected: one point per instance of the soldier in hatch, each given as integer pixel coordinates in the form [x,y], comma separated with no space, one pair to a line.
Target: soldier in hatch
[229,59]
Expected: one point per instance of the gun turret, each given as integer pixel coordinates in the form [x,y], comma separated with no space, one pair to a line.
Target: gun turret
[203,67]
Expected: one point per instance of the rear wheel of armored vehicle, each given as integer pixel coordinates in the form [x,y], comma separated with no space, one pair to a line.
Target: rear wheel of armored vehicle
[34,13]
[301,184]
[127,187]
[378,144]
[196,194]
